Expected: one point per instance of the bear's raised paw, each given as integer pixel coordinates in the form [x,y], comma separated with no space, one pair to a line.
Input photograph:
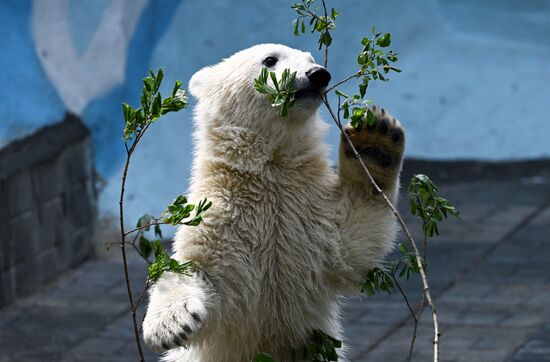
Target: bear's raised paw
[380,145]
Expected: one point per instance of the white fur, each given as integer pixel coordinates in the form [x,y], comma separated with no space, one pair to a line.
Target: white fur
[286,235]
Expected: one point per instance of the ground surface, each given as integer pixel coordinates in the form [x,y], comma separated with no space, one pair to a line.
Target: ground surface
[490,275]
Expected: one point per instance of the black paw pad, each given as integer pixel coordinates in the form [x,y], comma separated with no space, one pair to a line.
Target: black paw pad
[187,329]
[385,160]
[383,126]
[379,155]
[397,135]
[165,345]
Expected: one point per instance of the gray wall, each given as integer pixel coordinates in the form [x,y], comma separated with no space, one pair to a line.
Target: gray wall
[47,206]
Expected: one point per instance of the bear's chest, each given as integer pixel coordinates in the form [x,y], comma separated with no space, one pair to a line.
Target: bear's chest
[291,229]
[293,216]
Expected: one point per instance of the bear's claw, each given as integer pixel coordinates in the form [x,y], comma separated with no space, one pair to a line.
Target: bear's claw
[172,327]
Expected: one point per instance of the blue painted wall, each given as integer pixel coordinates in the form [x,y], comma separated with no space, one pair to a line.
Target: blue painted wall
[474,81]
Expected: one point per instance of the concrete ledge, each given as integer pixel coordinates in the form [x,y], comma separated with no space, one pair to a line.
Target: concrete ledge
[456,171]
[41,145]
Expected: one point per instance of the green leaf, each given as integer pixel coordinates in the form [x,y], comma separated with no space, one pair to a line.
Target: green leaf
[283,94]
[370,117]
[363,88]
[145,246]
[173,264]
[384,41]
[128,112]
[148,83]
[177,86]
[158,231]
[340,93]
[158,79]
[357,117]
[274,80]
[163,263]
[157,248]
[157,105]
[146,219]
[402,248]
[345,107]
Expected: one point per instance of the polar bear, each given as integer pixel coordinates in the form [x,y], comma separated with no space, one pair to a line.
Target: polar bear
[287,235]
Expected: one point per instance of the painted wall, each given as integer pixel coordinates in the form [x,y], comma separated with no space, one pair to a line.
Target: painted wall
[474,83]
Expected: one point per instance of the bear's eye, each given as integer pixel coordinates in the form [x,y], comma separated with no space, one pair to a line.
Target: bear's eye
[270,61]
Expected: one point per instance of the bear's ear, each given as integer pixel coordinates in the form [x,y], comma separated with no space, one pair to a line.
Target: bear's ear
[200,82]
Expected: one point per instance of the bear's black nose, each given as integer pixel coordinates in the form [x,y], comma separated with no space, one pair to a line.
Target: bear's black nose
[318,76]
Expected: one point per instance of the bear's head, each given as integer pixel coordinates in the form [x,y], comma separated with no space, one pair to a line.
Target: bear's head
[226,95]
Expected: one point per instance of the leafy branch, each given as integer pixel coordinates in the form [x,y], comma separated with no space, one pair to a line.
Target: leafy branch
[137,121]
[323,24]
[425,203]
[432,209]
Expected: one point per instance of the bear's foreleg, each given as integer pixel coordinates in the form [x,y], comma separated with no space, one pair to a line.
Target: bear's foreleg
[369,226]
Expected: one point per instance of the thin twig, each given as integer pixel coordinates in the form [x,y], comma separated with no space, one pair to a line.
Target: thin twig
[403,226]
[343,81]
[326,24]
[413,314]
[147,226]
[123,250]
[415,328]
[141,295]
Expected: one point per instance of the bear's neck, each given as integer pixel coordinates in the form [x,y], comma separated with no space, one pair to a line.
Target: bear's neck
[248,152]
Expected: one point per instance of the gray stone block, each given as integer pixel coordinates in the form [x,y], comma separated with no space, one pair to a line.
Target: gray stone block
[79,161]
[20,193]
[52,226]
[81,209]
[7,288]
[23,241]
[48,265]
[49,179]
[26,277]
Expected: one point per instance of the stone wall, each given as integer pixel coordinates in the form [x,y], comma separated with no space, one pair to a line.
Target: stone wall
[47,206]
